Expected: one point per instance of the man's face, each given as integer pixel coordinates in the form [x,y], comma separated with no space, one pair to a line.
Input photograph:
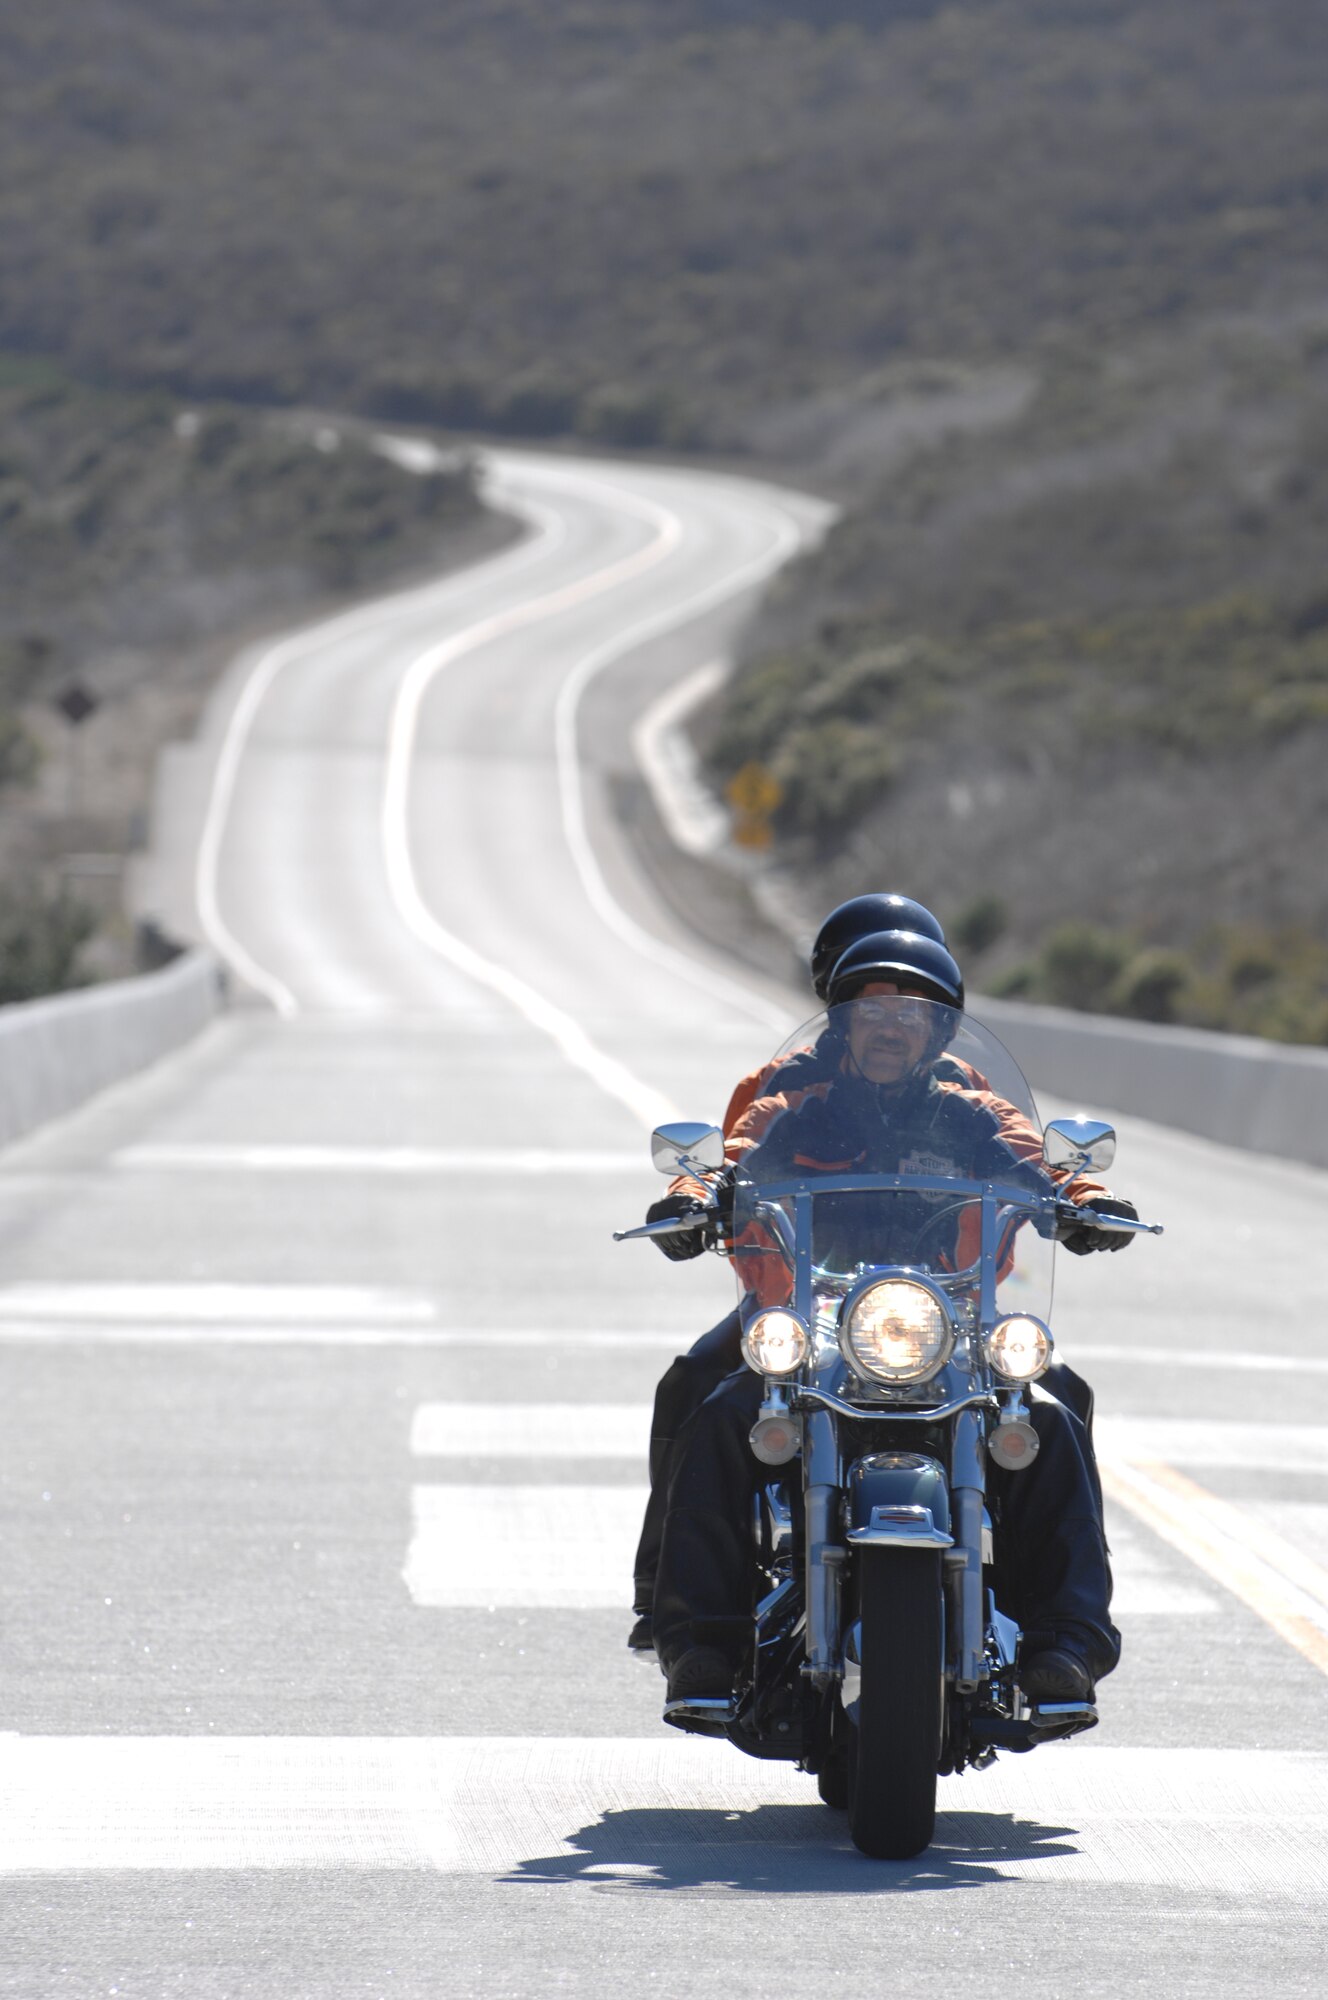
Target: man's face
[888,1040]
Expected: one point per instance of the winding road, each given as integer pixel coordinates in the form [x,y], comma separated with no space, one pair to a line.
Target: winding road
[325,1397]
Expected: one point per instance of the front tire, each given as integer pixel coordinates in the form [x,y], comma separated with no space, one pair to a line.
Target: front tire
[895,1750]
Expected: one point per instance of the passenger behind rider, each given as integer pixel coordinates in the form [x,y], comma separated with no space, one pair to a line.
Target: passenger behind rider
[691,1376]
[1052,1572]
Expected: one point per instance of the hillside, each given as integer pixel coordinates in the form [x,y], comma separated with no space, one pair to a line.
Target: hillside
[650,221]
[1068,680]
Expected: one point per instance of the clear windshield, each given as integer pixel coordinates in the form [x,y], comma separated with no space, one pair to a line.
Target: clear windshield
[878,1126]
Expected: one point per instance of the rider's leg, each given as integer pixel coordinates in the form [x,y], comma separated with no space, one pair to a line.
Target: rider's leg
[1070,1388]
[682,1389]
[1052,1570]
[704,1584]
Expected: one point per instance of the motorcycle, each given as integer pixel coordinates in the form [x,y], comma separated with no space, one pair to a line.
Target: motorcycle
[898,1320]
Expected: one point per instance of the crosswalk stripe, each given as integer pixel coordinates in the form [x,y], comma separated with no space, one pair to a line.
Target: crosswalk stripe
[1201,1441]
[530,1430]
[293,1159]
[1246,1824]
[550,1548]
[138,1314]
[1246,1361]
[1286,1589]
[216,1304]
[615,1430]
[559,1548]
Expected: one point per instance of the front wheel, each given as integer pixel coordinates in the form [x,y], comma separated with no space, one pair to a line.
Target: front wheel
[895,1748]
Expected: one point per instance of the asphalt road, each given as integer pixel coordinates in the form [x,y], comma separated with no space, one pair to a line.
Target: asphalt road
[325,1393]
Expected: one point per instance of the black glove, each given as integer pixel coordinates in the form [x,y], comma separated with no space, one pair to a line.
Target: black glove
[1081,1240]
[679,1245]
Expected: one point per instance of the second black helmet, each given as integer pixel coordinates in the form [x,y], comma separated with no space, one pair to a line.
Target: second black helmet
[863,916]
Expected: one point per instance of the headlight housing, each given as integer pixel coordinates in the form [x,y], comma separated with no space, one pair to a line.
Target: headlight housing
[1019,1347]
[897,1330]
[775,1342]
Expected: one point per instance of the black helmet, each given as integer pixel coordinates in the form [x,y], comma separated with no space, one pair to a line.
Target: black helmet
[897,955]
[860,917]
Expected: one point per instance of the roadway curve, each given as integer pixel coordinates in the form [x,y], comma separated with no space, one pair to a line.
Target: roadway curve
[319,1362]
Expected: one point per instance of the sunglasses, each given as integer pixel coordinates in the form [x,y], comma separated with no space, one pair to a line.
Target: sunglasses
[905,1009]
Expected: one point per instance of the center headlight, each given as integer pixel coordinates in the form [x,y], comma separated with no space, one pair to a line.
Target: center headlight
[775,1343]
[898,1331]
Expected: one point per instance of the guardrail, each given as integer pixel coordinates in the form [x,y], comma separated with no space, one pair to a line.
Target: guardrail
[58,1052]
[1270,1097]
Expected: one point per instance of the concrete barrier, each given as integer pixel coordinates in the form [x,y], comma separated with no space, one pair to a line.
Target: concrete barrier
[1271,1097]
[56,1053]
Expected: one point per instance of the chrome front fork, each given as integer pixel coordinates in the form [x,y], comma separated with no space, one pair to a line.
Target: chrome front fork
[826,1553]
[968,1482]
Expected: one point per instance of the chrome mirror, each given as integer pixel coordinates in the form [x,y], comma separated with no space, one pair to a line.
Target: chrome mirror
[686,1148]
[1079,1143]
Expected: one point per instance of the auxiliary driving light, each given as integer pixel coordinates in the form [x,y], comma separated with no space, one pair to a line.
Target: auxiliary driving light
[776,1440]
[1019,1347]
[897,1330]
[1013,1444]
[775,1343]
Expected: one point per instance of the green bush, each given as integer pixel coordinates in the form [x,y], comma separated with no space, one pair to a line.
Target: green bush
[832,773]
[1151,987]
[41,940]
[1080,965]
[979,925]
[20,755]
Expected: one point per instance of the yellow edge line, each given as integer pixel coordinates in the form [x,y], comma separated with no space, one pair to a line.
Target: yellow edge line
[1265,1573]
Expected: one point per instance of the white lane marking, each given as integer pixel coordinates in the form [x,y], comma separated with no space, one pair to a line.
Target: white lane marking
[548,532]
[564,1548]
[515,1428]
[1247,1361]
[648,1105]
[134,1316]
[693,817]
[1199,1441]
[1279,1583]
[74,1332]
[571,791]
[216,1304]
[301,1159]
[1244,1825]
[1149,1584]
[548,1548]
[531,1430]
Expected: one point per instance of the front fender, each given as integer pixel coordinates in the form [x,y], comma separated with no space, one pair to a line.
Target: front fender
[899,1500]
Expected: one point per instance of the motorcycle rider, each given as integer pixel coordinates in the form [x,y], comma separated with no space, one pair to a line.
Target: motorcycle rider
[1052,1572]
[690,1378]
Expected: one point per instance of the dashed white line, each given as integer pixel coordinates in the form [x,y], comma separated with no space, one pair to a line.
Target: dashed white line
[1246,1825]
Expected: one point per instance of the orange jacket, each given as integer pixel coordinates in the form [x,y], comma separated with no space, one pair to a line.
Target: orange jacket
[767,1276]
[753,1087]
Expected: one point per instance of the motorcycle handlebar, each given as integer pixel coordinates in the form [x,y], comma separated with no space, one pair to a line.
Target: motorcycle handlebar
[669,1227]
[1076,1217]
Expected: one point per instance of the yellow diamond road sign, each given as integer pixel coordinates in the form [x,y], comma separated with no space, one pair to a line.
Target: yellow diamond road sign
[754,791]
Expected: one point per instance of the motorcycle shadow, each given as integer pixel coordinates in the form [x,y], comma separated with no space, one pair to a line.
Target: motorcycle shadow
[786,1850]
